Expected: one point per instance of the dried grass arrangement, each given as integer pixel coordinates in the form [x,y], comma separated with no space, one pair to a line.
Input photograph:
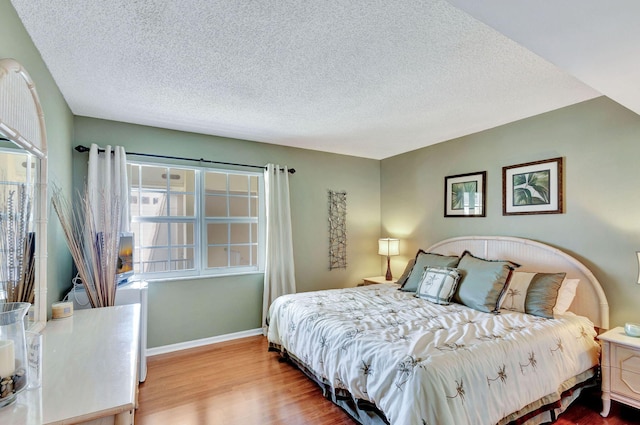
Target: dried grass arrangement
[92,235]
[17,245]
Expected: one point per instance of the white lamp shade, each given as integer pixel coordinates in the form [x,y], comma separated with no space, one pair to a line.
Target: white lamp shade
[389,246]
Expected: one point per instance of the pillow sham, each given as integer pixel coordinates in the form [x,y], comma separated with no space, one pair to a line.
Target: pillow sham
[566,294]
[405,274]
[482,281]
[532,293]
[426,259]
[438,284]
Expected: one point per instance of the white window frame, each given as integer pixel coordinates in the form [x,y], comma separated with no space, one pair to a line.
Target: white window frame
[200,222]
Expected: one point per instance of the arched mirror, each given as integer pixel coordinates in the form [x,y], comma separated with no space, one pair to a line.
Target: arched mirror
[23,188]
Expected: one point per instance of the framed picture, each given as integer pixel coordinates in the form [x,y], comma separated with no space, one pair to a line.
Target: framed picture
[465,194]
[532,188]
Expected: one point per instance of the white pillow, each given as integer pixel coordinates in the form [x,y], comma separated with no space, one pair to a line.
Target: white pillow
[532,293]
[566,295]
[515,294]
[438,284]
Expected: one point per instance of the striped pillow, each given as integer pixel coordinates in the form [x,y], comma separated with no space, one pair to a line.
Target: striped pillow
[438,284]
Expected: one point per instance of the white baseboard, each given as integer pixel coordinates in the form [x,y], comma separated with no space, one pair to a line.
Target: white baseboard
[201,342]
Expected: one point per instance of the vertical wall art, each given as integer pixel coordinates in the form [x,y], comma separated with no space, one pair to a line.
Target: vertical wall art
[337,230]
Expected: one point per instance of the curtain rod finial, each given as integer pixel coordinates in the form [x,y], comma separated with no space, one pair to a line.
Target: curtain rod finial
[81,148]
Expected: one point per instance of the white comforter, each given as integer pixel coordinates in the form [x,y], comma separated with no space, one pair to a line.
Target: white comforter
[422,363]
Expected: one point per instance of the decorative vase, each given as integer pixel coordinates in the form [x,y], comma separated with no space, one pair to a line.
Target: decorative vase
[13,351]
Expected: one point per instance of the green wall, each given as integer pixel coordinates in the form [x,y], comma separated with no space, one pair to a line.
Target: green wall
[15,43]
[599,141]
[184,310]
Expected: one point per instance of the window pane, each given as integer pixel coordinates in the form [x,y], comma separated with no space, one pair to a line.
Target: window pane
[254,232]
[182,234]
[153,177]
[153,234]
[238,185]
[134,202]
[239,255]
[154,260]
[240,233]
[135,228]
[253,202]
[216,256]
[152,204]
[136,260]
[182,205]
[254,185]
[181,180]
[182,259]
[216,206]
[134,174]
[215,183]
[217,233]
[238,207]
[254,255]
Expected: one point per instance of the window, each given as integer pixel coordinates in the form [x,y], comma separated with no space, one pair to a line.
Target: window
[190,221]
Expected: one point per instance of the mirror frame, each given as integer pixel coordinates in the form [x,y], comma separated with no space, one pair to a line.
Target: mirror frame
[22,122]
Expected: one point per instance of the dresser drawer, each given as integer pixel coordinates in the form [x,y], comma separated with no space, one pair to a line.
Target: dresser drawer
[625,383]
[626,358]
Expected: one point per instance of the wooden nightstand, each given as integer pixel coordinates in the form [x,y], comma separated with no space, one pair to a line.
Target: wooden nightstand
[376,279]
[620,369]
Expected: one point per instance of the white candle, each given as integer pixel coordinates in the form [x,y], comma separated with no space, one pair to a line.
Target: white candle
[7,359]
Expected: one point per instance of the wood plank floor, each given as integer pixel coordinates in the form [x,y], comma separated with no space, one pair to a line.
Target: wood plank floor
[240,382]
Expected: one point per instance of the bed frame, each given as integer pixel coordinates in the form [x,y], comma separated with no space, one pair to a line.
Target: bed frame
[590,300]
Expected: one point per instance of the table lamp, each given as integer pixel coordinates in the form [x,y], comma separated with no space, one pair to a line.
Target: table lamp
[388,247]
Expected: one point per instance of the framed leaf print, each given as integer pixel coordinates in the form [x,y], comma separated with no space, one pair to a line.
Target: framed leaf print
[532,188]
[464,195]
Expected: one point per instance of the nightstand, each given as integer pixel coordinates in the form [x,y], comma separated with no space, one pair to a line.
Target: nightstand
[620,369]
[376,279]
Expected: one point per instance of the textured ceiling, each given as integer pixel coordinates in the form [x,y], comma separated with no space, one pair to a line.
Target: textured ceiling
[595,41]
[368,78]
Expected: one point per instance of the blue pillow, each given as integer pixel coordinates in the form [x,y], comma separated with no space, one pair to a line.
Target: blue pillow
[423,260]
[482,281]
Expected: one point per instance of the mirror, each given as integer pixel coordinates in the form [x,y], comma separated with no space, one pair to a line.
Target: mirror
[23,130]
[17,243]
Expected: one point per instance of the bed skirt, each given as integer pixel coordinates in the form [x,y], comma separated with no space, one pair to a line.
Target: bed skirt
[363,412]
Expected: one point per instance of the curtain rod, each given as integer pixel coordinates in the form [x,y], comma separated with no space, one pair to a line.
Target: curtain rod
[81,149]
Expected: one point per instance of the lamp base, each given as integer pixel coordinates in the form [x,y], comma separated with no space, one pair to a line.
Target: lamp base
[388,276]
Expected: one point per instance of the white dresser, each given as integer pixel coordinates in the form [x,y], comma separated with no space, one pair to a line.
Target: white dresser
[620,369]
[89,371]
[130,293]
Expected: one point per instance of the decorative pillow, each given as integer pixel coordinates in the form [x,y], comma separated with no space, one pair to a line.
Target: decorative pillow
[426,259]
[405,274]
[438,284]
[566,294]
[532,293]
[482,281]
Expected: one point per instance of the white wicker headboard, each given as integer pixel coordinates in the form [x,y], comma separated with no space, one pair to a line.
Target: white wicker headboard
[590,300]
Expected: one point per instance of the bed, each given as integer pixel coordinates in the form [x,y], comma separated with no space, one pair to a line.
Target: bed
[385,355]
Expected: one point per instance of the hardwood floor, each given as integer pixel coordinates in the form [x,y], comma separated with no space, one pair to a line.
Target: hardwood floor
[240,382]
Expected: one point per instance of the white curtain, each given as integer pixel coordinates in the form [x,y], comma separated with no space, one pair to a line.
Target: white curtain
[279,276]
[108,185]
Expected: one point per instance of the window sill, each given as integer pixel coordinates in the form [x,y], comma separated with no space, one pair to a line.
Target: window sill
[196,277]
